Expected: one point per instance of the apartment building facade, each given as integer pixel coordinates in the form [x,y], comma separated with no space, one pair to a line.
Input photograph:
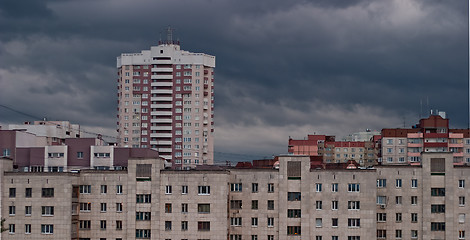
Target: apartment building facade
[293,201]
[166,102]
[432,134]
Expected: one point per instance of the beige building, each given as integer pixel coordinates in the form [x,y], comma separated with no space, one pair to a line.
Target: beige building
[291,201]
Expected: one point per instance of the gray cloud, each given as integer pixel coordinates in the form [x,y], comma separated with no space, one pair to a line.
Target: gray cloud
[283,67]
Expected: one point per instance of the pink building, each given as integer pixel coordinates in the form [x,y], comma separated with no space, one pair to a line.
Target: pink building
[165,102]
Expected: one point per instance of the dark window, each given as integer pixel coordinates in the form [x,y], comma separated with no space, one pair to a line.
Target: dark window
[294,230]
[12,192]
[438,208]
[293,170]
[203,226]
[293,196]
[28,192]
[48,192]
[438,226]
[438,192]
[254,204]
[235,204]
[293,213]
[204,208]
[270,204]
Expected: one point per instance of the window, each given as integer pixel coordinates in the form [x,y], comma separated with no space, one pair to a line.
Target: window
[142,233]
[85,189]
[167,225]
[461,183]
[414,183]
[11,210]
[334,222]
[85,207]
[270,187]
[184,225]
[318,237]
[47,211]
[381,233]
[168,189]
[398,183]
[293,213]
[254,187]
[461,201]
[354,222]
[398,217]
[318,187]
[414,233]
[11,228]
[143,216]
[438,208]
[254,204]
[334,238]
[270,237]
[293,196]
[270,204]
[318,222]
[235,221]
[334,205]
[318,205]
[235,187]
[204,190]
[235,204]
[235,237]
[461,234]
[12,192]
[381,200]
[354,238]
[414,200]
[414,217]
[203,226]
[28,210]
[104,189]
[334,187]
[353,187]
[438,192]
[438,226]
[28,192]
[118,207]
[204,208]
[461,217]
[294,230]
[85,224]
[398,234]
[398,200]
[143,198]
[184,207]
[118,225]
[79,155]
[254,222]
[167,207]
[270,222]
[103,207]
[381,217]
[27,228]
[103,224]
[354,205]
[184,189]
[381,183]
[118,189]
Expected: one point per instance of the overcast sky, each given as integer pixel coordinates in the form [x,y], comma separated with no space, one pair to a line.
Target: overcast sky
[283,68]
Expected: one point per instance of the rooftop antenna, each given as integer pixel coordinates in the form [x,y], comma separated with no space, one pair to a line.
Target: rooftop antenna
[469,68]
[169,34]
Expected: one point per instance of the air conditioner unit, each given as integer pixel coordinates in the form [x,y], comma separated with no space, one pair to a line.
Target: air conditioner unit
[382,206]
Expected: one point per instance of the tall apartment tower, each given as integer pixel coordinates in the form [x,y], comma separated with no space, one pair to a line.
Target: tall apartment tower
[166,102]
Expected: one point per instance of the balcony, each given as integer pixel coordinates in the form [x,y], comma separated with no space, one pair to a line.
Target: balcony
[160,142]
[161,113]
[161,135]
[161,84]
[161,99]
[165,150]
[162,91]
[415,145]
[161,105]
[162,69]
[161,128]
[161,120]
[162,77]
[435,144]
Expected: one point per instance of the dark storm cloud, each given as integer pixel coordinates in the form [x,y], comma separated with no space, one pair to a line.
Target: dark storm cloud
[284,68]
